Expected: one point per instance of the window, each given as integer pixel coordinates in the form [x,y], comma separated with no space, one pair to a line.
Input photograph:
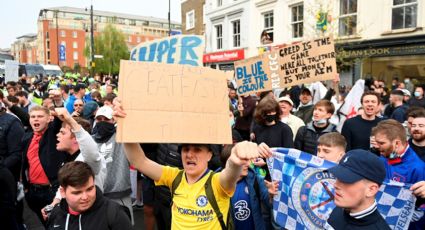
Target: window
[75,45]
[47,35]
[219,3]
[404,14]
[138,39]
[236,33]
[74,34]
[48,54]
[268,28]
[75,55]
[63,33]
[297,21]
[47,44]
[219,36]
[190,19]
[348,17]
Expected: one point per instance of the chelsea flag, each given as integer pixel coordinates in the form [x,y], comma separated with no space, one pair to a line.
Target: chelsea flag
[305,195]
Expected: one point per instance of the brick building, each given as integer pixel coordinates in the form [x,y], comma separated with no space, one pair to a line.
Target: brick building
[193,17]
[69,27]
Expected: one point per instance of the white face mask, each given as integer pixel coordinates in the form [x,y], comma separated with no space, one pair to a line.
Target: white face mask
[320,122]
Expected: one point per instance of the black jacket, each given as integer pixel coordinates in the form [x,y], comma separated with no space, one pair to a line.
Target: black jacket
[339,219]
[11,133]
[167,154]
[50,158]
[104,214]
[307,136]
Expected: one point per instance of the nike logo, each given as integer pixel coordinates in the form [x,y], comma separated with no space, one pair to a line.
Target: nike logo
[56,226]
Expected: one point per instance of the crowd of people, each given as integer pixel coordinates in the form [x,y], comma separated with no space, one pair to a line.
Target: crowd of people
[58,152]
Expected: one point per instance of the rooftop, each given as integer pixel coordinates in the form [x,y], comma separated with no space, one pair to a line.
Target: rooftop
[108,14]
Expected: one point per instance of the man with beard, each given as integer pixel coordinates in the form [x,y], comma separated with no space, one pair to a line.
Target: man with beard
[357,130]
[117,186]
[417,140]
[401,162]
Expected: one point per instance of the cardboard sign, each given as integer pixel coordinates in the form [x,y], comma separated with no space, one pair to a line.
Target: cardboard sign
[251,75]
[11,70]
[180,49]
[173,104]
[300,63]
[307,62]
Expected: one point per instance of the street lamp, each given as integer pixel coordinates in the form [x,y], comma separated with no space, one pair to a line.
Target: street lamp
[169,18]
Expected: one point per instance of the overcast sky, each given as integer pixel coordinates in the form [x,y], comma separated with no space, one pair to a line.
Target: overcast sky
[19,17]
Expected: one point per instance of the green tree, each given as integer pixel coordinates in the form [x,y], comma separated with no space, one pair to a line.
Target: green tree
[110,43]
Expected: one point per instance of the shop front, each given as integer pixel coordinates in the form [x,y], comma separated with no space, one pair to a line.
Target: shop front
[386,59]
[223,60]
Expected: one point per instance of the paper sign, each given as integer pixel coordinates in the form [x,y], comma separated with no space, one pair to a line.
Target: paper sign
[180,49]
[11,70]
[173,104]
[300,63]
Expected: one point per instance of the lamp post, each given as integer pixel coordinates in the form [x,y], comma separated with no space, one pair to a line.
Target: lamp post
[169,18]
[91,41]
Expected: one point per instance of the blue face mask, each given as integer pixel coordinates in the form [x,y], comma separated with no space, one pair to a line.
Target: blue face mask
[417,94]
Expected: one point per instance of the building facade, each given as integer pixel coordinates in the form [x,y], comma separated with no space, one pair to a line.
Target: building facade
[24,49]
[64,31]
[192,12]
[381,39]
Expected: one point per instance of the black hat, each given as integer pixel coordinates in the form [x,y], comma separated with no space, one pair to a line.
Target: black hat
[305,90]
[359,164]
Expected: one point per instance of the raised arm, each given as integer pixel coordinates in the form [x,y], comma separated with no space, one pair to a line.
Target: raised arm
[242,154]
[137,158]
[135,154]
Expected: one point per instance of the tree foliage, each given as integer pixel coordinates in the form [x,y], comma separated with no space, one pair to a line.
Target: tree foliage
[110,43]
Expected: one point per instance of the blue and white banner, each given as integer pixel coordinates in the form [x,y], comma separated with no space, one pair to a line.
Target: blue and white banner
[305,196]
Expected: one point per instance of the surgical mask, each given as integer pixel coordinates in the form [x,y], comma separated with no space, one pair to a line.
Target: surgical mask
[320,122]
[232,122]
[270,118]
[407,80]
[417,94]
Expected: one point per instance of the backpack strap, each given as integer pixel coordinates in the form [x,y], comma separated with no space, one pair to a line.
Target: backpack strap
[176,183]
[211,198]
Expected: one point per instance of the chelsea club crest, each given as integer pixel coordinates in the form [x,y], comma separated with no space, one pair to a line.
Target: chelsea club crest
[202,201]
[312,196]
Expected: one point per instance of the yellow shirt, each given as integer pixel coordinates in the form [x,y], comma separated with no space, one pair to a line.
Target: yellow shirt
[191,209]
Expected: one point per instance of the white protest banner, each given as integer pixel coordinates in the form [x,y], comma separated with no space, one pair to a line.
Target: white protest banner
[173,104]
[11,70]
[180,49]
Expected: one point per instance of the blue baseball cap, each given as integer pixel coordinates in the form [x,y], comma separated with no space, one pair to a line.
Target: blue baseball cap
[359,164]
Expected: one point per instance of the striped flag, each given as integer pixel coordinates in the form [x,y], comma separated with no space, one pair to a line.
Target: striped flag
[305,196]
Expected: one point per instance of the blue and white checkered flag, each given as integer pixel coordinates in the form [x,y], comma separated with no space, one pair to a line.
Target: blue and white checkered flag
[305,195]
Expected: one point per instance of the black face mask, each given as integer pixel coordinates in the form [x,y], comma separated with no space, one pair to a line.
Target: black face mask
[270,118]
[103,131]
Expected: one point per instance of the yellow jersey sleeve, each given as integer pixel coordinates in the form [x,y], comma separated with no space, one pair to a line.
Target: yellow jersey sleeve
[218,189]
[167,176]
